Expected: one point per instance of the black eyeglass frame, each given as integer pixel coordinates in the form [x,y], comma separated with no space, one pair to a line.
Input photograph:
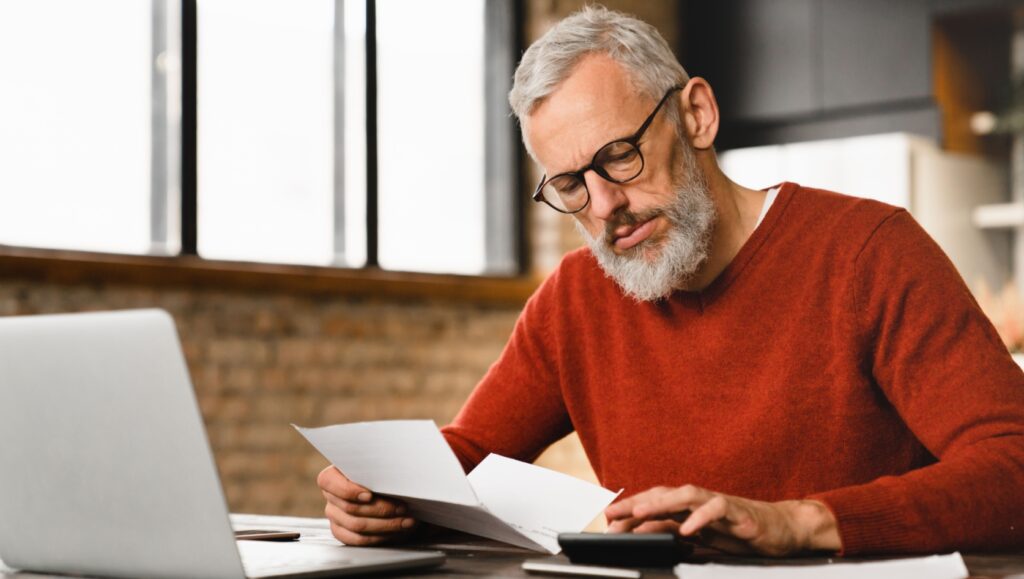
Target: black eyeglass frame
[633,141]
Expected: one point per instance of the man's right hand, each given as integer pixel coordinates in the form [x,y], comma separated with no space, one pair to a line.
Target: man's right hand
[358,517]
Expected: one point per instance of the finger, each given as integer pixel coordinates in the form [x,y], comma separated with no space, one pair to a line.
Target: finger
[621,509]
[350,538]
[659,526]
[624,508]
[379,507]
[715,509]
[367,525]
[623,525]
[684,498]
[347,537]
[334,482]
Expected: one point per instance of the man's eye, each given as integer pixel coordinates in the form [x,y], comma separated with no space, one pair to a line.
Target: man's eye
[621,157]
[570,188]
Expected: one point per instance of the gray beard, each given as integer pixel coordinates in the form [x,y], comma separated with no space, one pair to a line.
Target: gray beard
[647,272]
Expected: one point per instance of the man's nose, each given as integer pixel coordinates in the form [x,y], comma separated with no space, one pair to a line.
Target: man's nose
[606,198]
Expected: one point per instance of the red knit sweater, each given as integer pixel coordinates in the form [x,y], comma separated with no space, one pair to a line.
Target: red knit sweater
[838,357]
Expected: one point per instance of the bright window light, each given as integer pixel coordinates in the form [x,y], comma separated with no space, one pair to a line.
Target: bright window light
[266,130]
[431,146]
[355,134]
[75,124]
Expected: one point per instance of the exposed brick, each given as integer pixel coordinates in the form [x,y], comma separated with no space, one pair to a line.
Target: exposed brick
[234,409]
[241,378]
[397,381]
[341,381]
[261,495]
[226,351]
[193,352]
[279,410]
[442,383]
[274,379]
[239,465]
[273,436]
[343,409]
[207,379]
[296,351]
[224,437]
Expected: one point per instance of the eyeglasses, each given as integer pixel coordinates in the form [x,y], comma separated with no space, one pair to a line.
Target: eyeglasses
[620,161]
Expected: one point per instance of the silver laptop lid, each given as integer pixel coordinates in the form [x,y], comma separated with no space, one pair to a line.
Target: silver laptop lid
[104,465]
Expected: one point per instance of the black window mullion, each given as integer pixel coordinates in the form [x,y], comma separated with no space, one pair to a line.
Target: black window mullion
[189,60]
[371,134]
[519,44]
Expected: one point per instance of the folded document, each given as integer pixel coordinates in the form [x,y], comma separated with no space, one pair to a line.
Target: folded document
[502,499]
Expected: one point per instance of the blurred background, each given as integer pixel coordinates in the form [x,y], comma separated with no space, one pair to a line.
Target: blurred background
[331,199]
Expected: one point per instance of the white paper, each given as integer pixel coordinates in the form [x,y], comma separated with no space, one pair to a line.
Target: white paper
[502,499]
[537,501]
[933,567]
[406,458]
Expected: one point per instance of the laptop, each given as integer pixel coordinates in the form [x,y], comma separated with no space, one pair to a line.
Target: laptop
[105,467]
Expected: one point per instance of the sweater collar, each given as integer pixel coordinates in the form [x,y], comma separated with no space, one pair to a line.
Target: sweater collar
[746,253]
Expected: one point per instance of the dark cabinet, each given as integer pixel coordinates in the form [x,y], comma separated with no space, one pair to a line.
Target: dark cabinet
[778,59]
[759,56]
[874,52]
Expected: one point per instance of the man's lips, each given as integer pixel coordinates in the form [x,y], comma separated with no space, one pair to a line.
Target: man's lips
[627,237]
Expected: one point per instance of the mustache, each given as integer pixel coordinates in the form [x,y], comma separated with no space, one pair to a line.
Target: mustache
[630,219]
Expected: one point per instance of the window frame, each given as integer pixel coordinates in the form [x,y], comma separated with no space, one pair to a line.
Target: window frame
[505,240]
[174,260]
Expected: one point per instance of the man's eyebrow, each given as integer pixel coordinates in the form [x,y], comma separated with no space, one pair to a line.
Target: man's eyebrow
[574,170]
[590,158]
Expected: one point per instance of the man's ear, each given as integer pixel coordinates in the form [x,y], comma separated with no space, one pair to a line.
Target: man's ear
[699,113]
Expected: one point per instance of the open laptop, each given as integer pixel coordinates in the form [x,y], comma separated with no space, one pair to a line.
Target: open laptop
[105,468]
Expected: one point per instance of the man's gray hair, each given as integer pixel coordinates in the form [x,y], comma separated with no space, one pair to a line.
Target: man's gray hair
[634,44]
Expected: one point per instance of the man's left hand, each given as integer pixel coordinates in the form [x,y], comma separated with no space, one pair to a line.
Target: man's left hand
[728,523]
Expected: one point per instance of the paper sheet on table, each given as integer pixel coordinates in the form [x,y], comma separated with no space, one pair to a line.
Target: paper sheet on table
[933,567]
[503,499]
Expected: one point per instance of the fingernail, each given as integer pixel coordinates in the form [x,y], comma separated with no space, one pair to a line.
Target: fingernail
[364,497]
[400,510]
[408,523]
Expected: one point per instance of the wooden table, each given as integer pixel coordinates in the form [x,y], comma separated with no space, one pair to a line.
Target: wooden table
[470,556]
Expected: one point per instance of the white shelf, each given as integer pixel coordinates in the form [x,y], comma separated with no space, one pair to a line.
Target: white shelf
[999,215]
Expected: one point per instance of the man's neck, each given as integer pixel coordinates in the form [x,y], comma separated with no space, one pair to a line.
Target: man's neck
[738,209]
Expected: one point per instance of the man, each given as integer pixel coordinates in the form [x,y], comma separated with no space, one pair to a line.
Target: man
[779,371]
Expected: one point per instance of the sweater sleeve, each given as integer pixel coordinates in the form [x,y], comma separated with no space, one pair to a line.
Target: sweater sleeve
[517,409]
[940,363]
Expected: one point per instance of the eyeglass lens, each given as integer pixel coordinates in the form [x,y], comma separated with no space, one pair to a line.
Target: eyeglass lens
[618,162]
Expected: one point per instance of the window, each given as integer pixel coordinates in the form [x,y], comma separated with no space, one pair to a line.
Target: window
[430,106]
[80,113]
[343,133]
[265,130]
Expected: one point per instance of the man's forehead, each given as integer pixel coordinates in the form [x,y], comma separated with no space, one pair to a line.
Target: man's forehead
[596,103]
